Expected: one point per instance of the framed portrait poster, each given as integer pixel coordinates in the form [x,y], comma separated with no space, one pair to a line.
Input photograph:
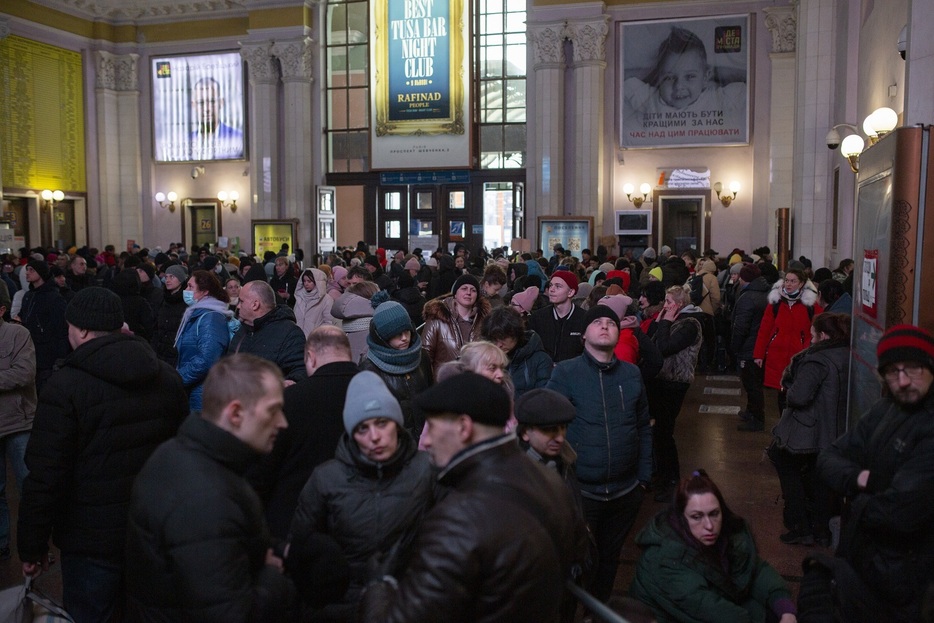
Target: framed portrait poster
[684,83]
[574,233]
[198,110]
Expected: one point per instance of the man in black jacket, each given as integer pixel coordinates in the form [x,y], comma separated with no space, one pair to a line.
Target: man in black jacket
[751,301]
[43,313]
[99,418]
[884,466]
[470,563]
[561,324]
[314,410]
[196,535]
[269,331]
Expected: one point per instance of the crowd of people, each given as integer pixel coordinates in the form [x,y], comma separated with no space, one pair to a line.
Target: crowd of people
[216,436]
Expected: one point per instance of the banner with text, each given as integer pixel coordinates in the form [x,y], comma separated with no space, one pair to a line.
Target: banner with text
[684,82]
[271,235]
[420,108]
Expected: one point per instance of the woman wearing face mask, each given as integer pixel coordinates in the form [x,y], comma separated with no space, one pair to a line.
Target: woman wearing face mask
[785,331]
[203,335]
[232,288]
[699,563]
[170,314]
[395,354]
[312,304]
[370,496]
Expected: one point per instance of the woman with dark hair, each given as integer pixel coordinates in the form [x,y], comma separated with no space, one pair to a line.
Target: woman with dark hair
[784,332]
[699,563]
[529,364]
[203,335]
[283,282]
[816,386]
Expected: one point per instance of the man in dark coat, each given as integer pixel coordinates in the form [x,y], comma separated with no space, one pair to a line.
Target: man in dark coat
[751,301]
[561,324]
[99,418]
[196,535]
[884,466]
[674,272]
[314,410]
[43,313]
[269,331]
[469,564]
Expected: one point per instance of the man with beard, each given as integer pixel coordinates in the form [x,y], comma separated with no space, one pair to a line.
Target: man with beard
[884,465]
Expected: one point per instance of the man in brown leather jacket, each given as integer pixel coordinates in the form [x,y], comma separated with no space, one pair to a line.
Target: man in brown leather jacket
[502,542]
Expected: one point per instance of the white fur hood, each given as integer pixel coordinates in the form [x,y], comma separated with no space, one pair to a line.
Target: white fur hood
[808,293]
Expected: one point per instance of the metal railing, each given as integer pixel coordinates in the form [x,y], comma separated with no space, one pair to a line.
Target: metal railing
[596,607]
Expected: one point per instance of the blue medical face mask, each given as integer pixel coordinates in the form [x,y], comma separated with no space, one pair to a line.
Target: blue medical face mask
[162,279]
[189,297]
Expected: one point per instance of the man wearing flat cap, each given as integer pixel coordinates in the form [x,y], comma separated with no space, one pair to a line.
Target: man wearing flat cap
[99,418]
[612,436]
[884,466]
[501,544]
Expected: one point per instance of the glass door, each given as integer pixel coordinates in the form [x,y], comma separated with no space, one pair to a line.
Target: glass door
[392,216]
[498,214]
[683,221]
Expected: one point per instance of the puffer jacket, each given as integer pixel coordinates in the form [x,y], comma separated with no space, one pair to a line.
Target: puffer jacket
[786,333]
[312,309]
[748,308]
[99,418]
[405,387]
[708,271]
[167,323]
[196,535]
[355,313]
[674,272]
[274,337]
[681,585]
[679,342]
[611,433]
[43,313]
[471,565]
[411,298]
[529,364]
[816,381]
[441,337]
[202,340]
[365,506]
[17,379]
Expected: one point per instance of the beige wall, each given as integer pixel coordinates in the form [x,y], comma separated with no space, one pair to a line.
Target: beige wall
[350,216]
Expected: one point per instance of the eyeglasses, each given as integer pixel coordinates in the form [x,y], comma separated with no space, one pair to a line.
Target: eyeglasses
[912,371]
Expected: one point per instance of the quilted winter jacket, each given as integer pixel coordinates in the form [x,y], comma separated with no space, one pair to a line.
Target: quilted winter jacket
[529,365]
[679,342]
[203,340]
[274,337]
[748,308]
[167,323]
[784,334]
[441,338]
[681,586]
[816,381]
[355,313]
[99,418]
[196,536]
[611,432]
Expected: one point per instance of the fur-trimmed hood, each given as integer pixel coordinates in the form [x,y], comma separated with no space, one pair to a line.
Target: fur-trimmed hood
[808,293]
[442,308]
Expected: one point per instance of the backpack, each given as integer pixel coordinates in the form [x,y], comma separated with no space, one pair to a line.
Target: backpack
[233,325]
[777,306]
[698,290]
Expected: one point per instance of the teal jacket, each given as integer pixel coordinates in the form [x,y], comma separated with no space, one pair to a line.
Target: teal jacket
[679,585]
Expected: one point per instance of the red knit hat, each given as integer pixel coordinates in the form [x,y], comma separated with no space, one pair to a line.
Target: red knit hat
[567,277]
[905,342]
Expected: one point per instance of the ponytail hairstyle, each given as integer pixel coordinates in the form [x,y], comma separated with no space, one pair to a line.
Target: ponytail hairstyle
[836,326]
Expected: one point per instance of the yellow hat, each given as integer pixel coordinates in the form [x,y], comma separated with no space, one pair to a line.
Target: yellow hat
[736,258]
[656,272]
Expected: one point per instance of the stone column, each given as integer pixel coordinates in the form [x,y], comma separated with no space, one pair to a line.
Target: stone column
[919,57]
[546,161]
[119,164]
[783,25]
[264,129]
[4,33]
[813,162]
[589,65]
[298,188]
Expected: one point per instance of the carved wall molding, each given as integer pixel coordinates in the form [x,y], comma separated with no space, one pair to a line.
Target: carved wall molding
[4,28]
[144,10]
[295,59]
[782,22]
[547,43]
[117,72]
[589,39]
[261,63]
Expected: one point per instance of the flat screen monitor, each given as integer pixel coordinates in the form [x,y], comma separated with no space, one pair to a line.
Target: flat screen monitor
[633,222]
[198,107]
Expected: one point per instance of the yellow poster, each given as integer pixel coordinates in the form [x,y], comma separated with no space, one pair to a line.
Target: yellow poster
[271,236]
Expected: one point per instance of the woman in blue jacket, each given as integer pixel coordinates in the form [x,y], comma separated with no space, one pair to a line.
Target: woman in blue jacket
[203,335]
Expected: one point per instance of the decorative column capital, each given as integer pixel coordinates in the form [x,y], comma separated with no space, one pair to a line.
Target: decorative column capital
[260,62]
[589,39]
[117,72]
[295,59]
[782,22]
[547,43]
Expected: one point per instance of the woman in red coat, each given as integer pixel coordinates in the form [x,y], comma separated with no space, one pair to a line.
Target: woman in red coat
[786,327]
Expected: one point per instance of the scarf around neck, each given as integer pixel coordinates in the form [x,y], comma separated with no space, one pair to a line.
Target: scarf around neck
[394,361]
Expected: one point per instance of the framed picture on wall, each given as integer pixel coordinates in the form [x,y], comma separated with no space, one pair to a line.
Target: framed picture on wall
[684,82]
[573,233]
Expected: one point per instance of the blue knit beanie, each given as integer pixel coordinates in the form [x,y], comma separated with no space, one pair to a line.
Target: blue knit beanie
[390,319]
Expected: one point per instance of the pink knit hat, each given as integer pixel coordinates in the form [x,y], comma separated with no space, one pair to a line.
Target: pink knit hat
[525,300]
[339,272]
[619,303]
[413,264]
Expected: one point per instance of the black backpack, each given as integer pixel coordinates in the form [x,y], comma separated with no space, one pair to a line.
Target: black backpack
[698,290]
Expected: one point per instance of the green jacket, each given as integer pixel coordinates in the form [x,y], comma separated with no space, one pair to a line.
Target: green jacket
[679,585]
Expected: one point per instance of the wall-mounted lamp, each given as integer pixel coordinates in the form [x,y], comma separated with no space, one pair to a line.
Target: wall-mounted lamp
[223,197]
[727,198]
[637,201]
[851,148]
[167,201]
[51,197]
